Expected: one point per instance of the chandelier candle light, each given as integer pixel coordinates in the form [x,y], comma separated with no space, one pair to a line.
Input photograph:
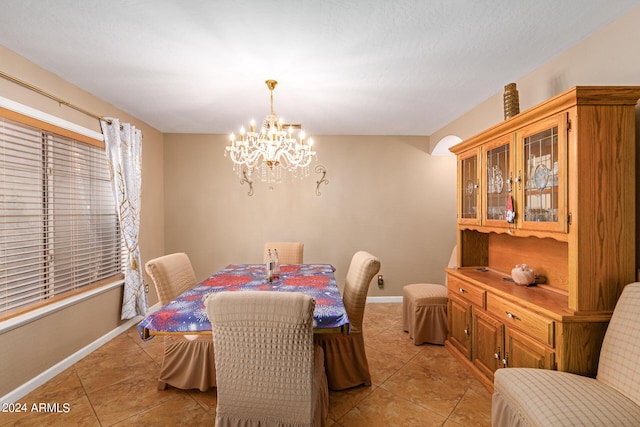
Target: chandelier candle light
[273,151]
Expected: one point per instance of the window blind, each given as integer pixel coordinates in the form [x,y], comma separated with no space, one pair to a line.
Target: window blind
[59,229]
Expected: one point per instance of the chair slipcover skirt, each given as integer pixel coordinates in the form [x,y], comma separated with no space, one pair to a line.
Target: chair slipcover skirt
[188,364]
[424,313]
[345,360]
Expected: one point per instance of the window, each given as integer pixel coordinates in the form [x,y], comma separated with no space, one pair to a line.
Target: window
[59,231]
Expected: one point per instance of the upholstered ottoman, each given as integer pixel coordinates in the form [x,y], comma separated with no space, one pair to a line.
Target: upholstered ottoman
[424,312]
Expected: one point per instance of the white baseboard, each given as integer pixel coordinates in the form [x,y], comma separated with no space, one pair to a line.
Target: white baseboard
[384,299]
[45,376]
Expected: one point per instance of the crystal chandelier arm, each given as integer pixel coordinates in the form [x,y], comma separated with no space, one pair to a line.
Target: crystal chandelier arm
[295,159]
[296,153]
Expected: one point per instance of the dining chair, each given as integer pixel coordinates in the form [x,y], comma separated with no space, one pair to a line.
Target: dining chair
[288,252]
[188,361]
[269,371]
[345,358]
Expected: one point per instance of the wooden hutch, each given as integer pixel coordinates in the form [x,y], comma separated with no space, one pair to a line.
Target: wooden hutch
[569,167]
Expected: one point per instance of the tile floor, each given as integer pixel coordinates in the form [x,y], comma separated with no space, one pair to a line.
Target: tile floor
[412,386]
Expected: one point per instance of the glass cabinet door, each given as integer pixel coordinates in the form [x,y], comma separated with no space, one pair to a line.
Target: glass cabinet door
[543,157]
[498,189]
[469,176]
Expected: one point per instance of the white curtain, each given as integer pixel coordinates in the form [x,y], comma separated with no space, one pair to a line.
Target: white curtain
[123,144]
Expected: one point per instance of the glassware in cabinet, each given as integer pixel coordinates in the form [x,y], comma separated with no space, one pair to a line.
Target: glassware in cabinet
[498,189]
[469,188]
[542,177]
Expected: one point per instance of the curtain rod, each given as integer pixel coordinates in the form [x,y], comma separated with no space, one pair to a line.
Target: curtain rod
[50,96]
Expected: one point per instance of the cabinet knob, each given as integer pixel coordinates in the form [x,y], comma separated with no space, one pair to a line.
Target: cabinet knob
[512,316]
[504,362]
[496,356]
[466,332]
[462,290]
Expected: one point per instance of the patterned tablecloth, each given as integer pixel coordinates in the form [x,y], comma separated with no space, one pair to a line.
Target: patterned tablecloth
[186,314]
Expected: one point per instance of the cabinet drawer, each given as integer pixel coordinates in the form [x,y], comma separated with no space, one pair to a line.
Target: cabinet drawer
[534,325]
[467,291]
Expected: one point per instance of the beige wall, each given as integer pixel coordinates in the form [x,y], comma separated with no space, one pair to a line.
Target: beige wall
[35,347]
[385,195]
[611,56]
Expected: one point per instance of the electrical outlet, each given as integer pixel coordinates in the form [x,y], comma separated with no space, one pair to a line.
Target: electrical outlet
[380,281]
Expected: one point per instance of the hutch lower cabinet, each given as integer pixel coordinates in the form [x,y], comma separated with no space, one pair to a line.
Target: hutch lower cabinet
[553,187]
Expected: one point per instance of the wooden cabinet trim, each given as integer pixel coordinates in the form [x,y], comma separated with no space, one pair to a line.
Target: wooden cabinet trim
[543,301]
[528,349]
[467,291]
[516,316]
[459,334]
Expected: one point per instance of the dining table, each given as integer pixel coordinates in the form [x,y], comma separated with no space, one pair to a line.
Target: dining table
[186,315]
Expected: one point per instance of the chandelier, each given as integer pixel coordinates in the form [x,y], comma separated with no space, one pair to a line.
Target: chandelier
[276,150]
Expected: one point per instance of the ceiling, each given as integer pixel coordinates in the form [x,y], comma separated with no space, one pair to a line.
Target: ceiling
[350,67]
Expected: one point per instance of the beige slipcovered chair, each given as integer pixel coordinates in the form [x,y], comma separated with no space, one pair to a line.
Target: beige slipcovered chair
[188,360]
[288,252]
[345,358]
[269,371]
[424,309]
[540,397]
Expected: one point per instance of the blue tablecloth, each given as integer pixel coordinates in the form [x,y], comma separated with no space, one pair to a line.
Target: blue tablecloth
[186,314]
